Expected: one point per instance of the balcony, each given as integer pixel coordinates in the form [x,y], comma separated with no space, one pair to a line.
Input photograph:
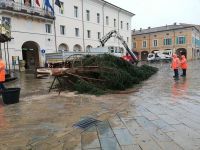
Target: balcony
[19,8]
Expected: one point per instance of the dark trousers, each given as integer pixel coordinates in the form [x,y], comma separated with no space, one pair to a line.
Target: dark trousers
[184,72]
[176,73]
[2,87]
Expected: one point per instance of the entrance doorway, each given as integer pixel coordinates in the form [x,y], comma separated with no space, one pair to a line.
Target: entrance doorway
[181,51]
[30,53]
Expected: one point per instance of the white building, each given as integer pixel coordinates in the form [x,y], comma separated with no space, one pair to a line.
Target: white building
[77,27]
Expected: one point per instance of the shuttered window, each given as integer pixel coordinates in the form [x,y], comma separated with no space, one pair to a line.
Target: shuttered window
[168,41]
[181,40]
[155,43]
[144,44]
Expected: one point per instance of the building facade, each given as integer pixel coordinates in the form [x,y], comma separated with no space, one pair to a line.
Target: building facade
[75,26]
[181,39]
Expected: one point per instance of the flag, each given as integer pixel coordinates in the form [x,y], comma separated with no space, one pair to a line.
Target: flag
[57,2]
[47,4]
[37,2]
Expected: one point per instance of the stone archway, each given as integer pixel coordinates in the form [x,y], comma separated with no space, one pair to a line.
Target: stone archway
[63,47]
[181,51]
[30,53]
[88,48]
[144,55]
[77,48]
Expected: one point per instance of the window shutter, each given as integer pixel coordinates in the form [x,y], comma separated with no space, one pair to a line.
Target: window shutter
[164,41]
[176,40]
[184,40]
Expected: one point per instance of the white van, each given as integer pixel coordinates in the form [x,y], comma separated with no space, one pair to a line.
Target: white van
[160,55]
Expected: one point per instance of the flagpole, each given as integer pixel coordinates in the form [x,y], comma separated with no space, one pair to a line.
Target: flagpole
[54,24]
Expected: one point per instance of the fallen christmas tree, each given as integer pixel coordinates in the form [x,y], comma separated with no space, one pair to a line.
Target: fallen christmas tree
[101,74]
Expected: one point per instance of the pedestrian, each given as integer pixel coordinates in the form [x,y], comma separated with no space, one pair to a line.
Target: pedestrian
[175,65]
[2,74]
[184,65]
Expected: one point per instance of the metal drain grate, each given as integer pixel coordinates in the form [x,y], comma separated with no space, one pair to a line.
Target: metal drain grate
[85,123]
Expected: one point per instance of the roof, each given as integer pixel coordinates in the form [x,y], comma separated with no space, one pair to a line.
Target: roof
[132,14]
[166,28]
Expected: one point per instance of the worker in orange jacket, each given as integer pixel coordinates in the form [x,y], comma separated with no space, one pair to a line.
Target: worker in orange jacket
[2,74]
[175,65]
[184,65]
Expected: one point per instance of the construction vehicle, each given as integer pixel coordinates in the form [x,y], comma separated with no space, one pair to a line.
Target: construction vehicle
[113,50]
[63,56]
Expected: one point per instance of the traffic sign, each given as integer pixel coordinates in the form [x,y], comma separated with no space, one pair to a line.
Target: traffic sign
[43,51]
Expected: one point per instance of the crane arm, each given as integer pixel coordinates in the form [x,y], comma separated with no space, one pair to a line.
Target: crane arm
[114,33]
[107,37]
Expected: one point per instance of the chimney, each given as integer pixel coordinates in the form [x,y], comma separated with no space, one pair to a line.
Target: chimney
[140,29]
[133,30]
[166,25]
[174,23]
[149,27]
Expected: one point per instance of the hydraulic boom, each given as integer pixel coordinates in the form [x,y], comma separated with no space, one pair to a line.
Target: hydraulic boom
[114,33]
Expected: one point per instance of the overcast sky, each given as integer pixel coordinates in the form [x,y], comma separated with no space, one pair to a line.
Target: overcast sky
[156,13]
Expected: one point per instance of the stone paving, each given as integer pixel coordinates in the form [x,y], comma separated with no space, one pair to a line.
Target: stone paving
[159,114]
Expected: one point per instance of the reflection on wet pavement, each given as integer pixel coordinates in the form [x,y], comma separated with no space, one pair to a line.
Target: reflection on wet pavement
[29,85]
[162,114]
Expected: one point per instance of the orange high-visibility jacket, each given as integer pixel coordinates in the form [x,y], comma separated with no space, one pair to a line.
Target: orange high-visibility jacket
[184,64]
[2,71]
[175,62]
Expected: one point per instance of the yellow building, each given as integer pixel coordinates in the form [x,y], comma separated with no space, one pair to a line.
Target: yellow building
[181,39]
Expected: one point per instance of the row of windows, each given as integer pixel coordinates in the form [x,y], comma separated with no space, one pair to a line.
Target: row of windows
[76,14]
[167,41]
[62,31]
[48,29]
[98,17]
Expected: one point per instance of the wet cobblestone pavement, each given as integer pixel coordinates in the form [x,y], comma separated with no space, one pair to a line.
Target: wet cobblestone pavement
[160,114]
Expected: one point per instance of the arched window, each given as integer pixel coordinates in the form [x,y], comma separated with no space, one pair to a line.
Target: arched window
[77,48]
[63,47]
[88,48]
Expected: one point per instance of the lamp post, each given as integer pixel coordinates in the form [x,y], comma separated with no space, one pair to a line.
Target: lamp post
[54,25]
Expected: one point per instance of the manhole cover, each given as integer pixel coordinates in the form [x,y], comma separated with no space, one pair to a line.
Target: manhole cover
[85,123]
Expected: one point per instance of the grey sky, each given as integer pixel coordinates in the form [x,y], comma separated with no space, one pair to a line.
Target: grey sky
[156,13]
